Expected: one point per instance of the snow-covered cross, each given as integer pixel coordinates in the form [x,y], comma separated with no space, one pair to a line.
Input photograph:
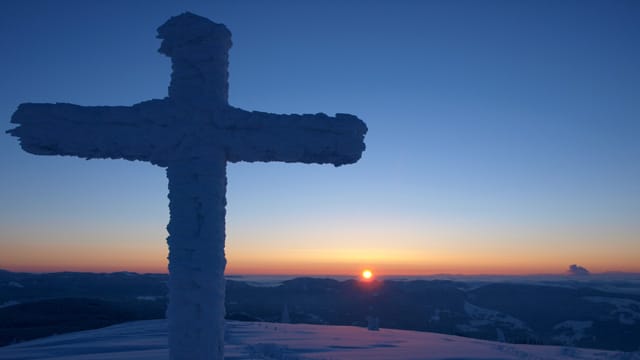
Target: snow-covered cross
[193,133]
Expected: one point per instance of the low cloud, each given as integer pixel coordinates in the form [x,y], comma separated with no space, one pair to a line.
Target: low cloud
[577,270]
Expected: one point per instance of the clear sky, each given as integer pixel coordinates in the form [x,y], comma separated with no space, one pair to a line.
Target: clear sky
[503,136]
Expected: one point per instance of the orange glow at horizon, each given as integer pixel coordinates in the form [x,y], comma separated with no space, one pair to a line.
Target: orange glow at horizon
[150,257]
[268,270]
[145,264]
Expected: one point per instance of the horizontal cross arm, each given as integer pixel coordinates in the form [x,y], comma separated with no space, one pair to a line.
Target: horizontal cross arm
[114,132]
[307,138]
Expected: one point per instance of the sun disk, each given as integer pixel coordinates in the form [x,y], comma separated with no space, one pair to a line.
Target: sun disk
[367,274]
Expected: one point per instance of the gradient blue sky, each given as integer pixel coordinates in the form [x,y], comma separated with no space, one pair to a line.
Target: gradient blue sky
[503,135]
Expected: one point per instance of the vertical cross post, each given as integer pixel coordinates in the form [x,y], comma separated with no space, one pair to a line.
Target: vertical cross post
[196,240]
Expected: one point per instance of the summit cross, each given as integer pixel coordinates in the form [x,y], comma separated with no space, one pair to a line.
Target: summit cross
[193,133]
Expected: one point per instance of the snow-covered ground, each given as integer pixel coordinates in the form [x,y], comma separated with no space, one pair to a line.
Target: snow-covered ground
[627,311]
[147,340]
[571,331]
[484,317]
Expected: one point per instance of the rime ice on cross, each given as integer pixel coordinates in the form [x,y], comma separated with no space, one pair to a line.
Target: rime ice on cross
[193,133]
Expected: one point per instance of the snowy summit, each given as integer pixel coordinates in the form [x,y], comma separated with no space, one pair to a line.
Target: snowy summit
[146,340]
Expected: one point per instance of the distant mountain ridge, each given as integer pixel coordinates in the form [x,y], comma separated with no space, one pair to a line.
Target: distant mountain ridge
[569,313]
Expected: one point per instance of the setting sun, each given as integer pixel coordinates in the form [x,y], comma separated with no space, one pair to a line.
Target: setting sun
[367,274]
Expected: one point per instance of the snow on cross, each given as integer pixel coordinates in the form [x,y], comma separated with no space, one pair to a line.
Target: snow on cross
[193,133]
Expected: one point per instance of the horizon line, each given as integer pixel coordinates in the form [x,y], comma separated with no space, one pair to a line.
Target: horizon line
[316,275]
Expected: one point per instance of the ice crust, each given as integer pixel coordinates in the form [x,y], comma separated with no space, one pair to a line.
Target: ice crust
[193,132]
